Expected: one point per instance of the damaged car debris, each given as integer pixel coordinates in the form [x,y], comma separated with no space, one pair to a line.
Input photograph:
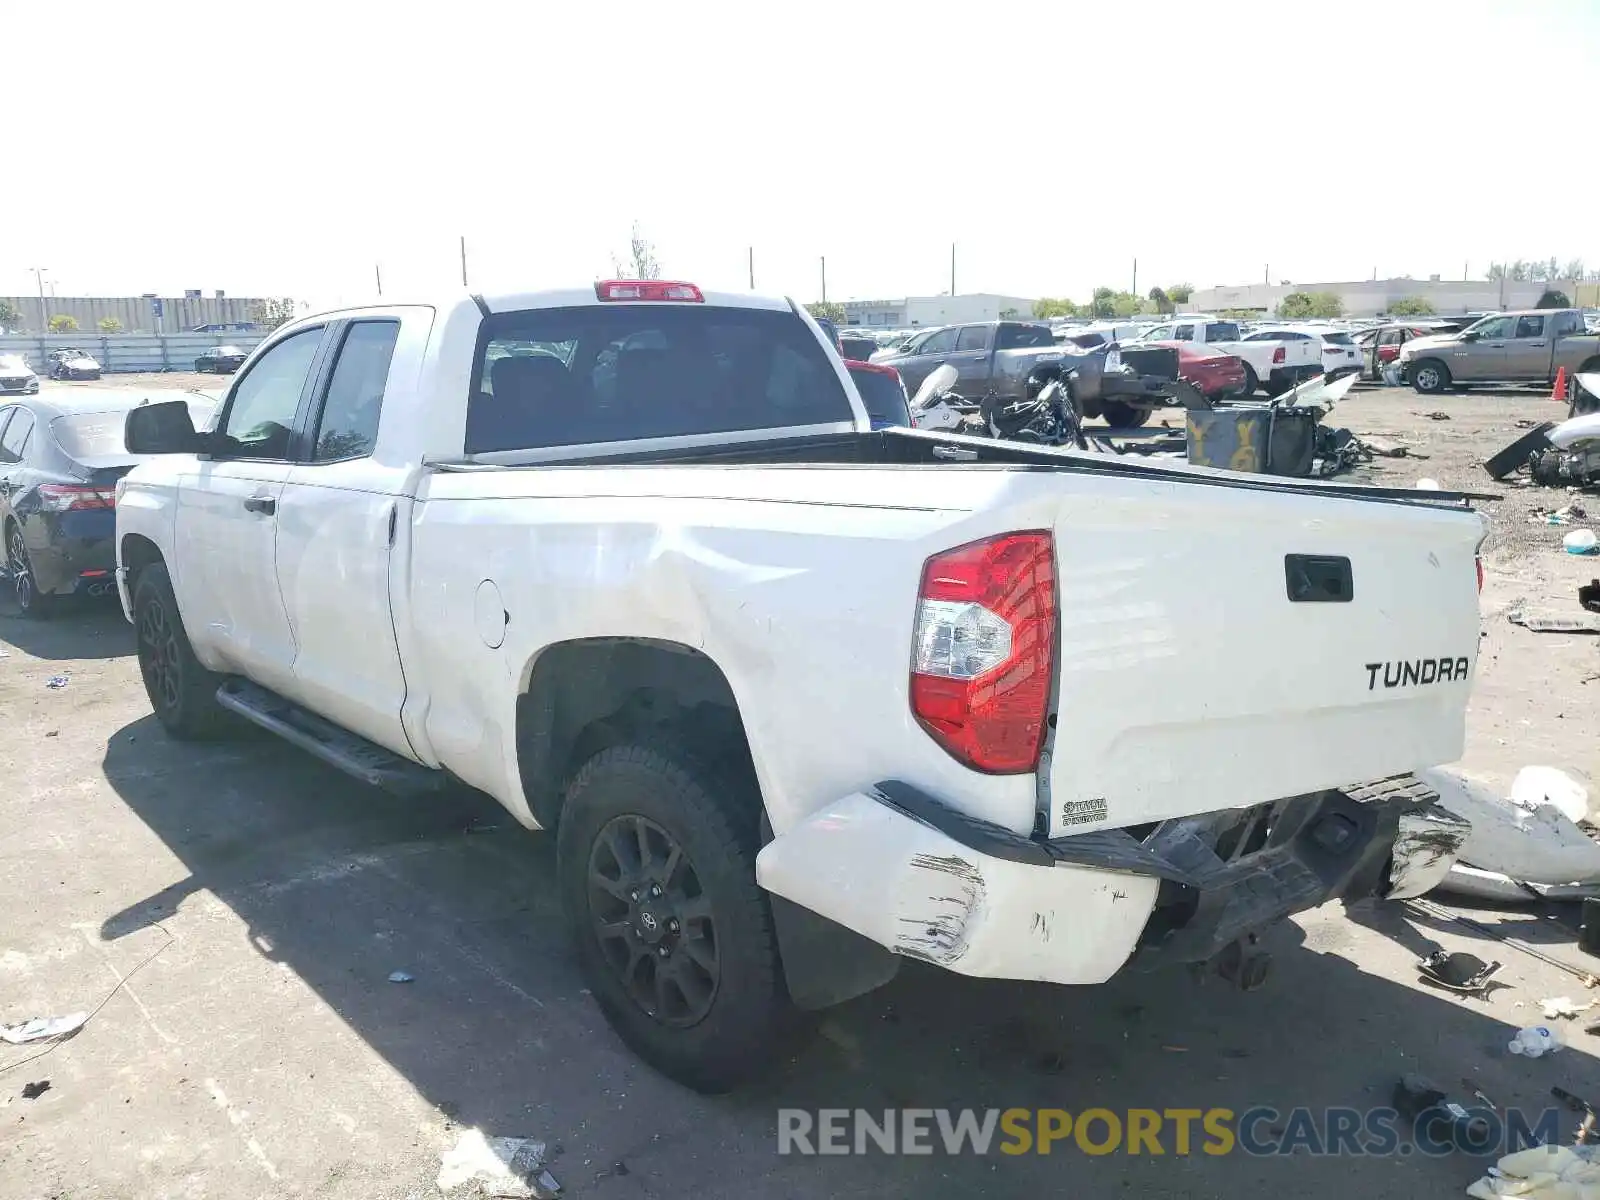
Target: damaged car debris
[1555,455]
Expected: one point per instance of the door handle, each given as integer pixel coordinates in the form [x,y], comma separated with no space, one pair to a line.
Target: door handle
[1497,345]
[264,505]
[1535,343]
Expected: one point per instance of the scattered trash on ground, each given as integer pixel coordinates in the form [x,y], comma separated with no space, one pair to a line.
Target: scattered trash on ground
[32,1091]
[1588,1131]
[1427,1109]
[41,1028]
[1428,909]
[1589,595]
[1535,1041]
[1460,972]
[56,681]
[1581,541]
[1428,485]
[1541,1173]
[1435,416]
[401,977]
[1563,1006]
[1552,622]
[501,1167]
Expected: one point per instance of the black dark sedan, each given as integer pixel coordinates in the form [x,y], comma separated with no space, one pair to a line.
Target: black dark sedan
[60,458]
[221,360]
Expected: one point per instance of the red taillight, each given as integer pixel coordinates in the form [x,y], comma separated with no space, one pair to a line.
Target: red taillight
[60,497]
[983,656]
[1277,355]
[646,289]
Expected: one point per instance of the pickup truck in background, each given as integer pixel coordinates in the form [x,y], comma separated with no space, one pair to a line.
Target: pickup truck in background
[799,699]
[1514,347]
[992,358]
[1272,364]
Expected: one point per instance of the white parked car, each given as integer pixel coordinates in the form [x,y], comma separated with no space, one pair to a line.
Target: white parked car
[17,378]
[1270,362]
[799,699]
[1337,348]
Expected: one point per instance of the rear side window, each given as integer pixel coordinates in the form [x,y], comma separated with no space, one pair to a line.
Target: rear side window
[1183,333]
[1222,331]
[972,338]
[348,426]
[884,396]
[1530,327]
[1025,337]
[618,372]
[15,440]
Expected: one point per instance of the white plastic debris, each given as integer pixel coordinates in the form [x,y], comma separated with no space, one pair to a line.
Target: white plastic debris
[1535,1041]
[57,681]
[1534,786]
[401,977]
[1427,485]
[1564,1006]
[1581,541]
[1542,1173]
[40,1028]
[502,1167]
[1541,845]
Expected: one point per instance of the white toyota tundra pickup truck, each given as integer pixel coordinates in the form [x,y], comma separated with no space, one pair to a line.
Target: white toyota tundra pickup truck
[799,699]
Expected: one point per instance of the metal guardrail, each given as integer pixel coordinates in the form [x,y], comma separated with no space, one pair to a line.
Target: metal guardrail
[120,352]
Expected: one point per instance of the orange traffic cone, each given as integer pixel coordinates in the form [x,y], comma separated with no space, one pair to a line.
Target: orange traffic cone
[1559,392]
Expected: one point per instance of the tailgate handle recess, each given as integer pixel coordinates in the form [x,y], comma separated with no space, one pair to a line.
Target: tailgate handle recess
[1318,579]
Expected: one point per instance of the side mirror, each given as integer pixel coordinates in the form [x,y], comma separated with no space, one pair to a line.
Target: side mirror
[164,428]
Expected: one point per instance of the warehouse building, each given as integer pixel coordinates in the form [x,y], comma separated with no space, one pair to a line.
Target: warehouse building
[913,311]
[1373,297]
[216,313]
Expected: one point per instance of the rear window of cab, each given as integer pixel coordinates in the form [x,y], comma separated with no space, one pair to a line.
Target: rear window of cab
[617,372]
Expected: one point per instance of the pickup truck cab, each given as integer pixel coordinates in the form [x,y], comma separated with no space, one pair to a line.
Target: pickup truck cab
[1514,347]
[991,358]
[1272,363]
[799,699]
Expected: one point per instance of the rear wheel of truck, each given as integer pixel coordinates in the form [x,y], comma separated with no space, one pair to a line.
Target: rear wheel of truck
[1430,376]
[656,857]
[1251,383]
[1124,416]
[182,692]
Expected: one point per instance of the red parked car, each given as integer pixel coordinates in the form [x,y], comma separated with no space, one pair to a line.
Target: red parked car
[1211,373]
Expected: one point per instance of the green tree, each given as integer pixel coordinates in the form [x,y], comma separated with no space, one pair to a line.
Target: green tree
[10,318]
[1160,298]
[1125,304]
[109,325]
[61,323]
[1311,304]
[641,262]
[1411,306]
[1553,299]
[1179,293]
[827,310]
[1050,307]
[273,312]
[1104,303]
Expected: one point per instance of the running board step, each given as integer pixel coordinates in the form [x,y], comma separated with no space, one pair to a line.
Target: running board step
[337,747]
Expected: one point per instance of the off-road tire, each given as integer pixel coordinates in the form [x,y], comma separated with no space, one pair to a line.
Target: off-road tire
[713,817]
[182,692]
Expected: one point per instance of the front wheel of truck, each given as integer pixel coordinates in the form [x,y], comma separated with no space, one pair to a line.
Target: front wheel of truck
[656,857]
[182,692]
[1430,376]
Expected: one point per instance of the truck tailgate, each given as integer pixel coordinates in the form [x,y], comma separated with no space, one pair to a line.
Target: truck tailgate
[1215,653]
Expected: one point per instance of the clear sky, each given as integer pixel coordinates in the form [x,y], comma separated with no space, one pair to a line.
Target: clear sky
[285,148]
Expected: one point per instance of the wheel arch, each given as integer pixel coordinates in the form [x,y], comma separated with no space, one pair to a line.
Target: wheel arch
[580,696]
[135,552]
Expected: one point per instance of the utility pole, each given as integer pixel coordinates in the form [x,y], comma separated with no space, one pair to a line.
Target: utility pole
[752,268]
[952,268]
[1464,275]
[463,260]
[824,278]
[44,317]
[1266,274]
[378,272]
[1136,279]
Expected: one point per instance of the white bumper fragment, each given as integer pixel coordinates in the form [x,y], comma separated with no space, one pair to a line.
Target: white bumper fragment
[918,892]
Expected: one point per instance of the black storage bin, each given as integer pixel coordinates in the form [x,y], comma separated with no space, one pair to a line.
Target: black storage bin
[1269,441]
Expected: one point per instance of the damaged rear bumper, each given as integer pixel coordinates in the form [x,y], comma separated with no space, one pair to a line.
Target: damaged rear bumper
[920,880]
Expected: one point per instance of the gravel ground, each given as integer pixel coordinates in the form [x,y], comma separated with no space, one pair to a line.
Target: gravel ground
[262,1052]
